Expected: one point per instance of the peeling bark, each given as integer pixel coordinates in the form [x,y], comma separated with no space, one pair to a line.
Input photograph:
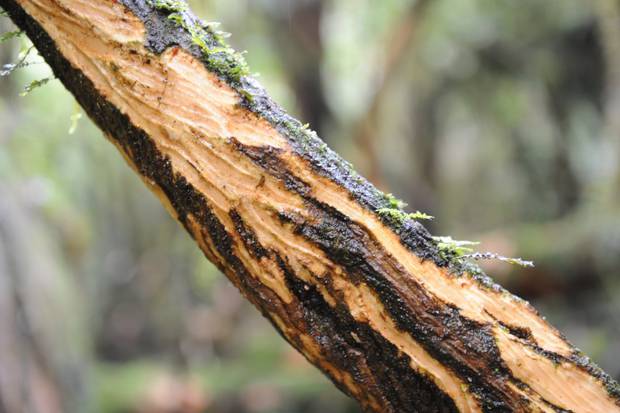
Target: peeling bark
[369,301]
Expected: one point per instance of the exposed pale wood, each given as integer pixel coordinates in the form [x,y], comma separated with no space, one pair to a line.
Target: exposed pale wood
[349,290]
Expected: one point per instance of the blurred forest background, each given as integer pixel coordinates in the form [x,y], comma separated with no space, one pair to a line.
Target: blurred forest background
[499,117]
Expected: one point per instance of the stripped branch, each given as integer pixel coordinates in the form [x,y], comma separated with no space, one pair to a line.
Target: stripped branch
[374,304]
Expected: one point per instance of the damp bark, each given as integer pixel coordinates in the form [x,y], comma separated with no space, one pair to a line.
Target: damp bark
[371,302]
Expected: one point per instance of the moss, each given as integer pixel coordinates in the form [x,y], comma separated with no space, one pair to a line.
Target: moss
[177,19]
[217,54]
[247,96]
[394,202]
[394,213]
[421,216]
[9,68]
[478,256]
[457,251]
[169,5]
[75,118]
[398,217]
[35,84]
[453,248]
[10,35]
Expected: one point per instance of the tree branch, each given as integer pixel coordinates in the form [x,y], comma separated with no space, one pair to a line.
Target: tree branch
[396,323]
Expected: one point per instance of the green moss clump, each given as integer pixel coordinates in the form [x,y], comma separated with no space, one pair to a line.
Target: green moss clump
[10,35]
[218,55]
[177,18]
[395,214]
[451,248]
[421,215]
[35,84]
[398,216]
[169,5]
[394,202]
[458,251]
[247,95]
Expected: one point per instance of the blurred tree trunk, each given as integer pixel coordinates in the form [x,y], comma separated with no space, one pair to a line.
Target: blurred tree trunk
[395,318]
[41,351]
[400,42]
[609,27]
[297,30]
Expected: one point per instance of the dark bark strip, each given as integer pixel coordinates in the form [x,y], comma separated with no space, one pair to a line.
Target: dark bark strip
[464,345]
[352,346]
[269,159]
[360,360]
[404,390]
[248,236]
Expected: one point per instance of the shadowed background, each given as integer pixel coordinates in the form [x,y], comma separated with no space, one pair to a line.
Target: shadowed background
[500,118]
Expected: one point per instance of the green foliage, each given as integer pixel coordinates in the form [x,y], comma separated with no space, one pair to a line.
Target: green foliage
[35,84]
[10,35]
[75,118]
[22,62]
[9,68]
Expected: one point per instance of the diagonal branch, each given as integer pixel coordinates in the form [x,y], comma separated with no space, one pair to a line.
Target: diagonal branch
[371,300]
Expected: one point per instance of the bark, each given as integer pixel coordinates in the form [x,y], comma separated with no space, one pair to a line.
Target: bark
[371,301]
